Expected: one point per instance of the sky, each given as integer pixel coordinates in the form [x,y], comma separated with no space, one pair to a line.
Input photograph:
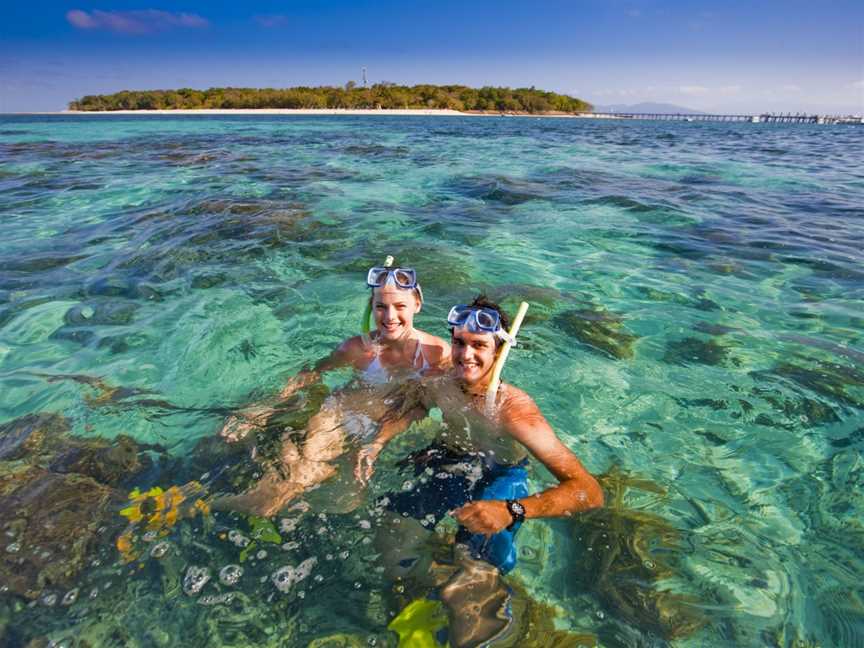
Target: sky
[730,57]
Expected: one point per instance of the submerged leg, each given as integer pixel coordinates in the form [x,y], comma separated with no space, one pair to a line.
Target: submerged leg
[302,468]
[477,602]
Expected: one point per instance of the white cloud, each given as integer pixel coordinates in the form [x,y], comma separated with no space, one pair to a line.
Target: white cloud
[271,20]
[790,87]
[705,91]
[694,90]
[146,21]
[857,85]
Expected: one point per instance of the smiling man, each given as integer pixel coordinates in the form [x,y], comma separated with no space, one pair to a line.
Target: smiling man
[476,470]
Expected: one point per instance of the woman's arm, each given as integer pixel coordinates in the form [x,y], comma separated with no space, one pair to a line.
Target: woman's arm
[254,416]
[364,467]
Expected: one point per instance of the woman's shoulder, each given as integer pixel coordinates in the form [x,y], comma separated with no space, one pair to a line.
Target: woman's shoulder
[354,348]
[435,349]
[427,339]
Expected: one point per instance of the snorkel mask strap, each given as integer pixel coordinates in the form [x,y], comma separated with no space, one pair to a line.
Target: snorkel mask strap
[505,337]
[366,321]
[503,352]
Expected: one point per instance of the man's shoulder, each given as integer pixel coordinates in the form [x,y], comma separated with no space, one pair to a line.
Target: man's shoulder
[517,403]
[515,396]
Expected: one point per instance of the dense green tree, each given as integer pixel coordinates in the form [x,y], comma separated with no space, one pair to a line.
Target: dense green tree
[381,95]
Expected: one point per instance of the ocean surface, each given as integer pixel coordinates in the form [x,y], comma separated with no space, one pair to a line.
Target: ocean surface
[695,335]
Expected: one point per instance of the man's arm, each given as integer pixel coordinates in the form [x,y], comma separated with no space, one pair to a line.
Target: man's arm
[576,491]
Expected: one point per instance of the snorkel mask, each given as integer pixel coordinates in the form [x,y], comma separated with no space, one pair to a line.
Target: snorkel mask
[479,320]
[405,278]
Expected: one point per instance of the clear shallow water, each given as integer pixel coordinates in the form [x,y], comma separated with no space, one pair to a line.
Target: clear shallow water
[697,320]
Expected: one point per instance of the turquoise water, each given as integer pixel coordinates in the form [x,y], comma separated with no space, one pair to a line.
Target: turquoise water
[697,321]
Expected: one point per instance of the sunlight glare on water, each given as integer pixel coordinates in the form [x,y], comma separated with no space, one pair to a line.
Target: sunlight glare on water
[695,334]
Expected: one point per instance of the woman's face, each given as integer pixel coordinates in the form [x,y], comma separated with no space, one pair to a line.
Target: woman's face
[394,309]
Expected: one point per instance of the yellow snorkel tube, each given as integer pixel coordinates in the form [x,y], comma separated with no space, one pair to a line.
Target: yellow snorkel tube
[366,321]
[492,390]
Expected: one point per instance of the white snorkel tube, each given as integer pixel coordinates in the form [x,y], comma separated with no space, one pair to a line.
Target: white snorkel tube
[492,390]
[366,322]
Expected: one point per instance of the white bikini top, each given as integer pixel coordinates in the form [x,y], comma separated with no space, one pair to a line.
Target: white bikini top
[377,374]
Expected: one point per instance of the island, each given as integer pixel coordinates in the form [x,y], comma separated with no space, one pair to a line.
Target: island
[380,96]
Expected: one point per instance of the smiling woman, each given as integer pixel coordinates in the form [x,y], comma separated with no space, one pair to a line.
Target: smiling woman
[394,352]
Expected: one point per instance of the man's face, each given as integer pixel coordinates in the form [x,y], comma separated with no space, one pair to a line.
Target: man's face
[473,355]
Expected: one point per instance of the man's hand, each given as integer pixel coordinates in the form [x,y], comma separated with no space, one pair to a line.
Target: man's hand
[484,516]
[365,466]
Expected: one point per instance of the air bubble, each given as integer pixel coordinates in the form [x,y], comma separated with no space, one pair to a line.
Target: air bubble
[150,536]
[285,577]
[365,524]
[344,555]
[238,538]
[70,597]
[290,546]
[159,549]
[288,525]
[261,555]
[49,600]
[649,564]
[230,574]
[15,547]
[216,599]
[196,578]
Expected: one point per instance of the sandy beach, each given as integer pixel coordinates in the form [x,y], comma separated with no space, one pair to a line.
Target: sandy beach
[319,111]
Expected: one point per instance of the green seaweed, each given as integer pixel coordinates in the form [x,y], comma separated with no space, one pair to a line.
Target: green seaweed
[534,625]
[261,530]
[692,349]
[543,302]
[830,380]
[623,554]
[603,331]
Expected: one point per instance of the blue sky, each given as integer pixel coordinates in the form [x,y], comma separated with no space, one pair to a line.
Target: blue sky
[718,56]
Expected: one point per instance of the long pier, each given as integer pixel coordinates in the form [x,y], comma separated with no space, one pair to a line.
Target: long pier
[765,118]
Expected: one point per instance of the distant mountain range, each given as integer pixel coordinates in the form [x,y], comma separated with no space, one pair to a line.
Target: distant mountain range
[648,107]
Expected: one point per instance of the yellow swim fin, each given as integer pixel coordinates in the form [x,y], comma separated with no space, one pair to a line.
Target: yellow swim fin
[418,624]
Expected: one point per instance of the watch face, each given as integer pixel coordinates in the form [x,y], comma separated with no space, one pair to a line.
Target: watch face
[517,508]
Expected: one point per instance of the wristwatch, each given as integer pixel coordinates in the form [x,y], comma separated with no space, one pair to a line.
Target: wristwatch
[517,512]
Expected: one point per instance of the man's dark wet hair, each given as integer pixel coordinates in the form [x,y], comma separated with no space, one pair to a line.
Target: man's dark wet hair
[482,301]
